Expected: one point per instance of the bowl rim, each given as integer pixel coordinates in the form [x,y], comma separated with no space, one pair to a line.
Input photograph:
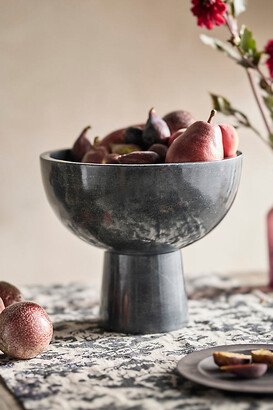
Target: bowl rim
[47,157]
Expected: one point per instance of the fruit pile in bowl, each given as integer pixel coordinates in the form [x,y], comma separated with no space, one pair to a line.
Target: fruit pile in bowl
[175,138]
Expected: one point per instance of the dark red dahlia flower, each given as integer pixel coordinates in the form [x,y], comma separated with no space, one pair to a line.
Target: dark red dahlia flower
[269,62]
[269,48]
[209,13]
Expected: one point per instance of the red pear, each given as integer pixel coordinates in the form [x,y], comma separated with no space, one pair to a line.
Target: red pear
[201,141]
[230,140]
[175,135]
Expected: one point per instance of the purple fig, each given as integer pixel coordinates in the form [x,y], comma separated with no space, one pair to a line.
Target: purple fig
[81,146]
[111,159]
[161,150]
[115,137]
[139,157]
[156,130]
[134,135]
[95,156]
[246,371]
[178,119]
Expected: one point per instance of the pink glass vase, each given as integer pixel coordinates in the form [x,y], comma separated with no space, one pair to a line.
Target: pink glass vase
[270,245]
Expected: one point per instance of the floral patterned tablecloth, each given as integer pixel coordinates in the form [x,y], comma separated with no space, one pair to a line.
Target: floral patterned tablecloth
[87,368]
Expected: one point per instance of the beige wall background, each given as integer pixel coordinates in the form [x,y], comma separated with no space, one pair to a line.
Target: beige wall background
[68,63]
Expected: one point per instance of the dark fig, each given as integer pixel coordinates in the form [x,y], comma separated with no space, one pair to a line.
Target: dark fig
[230,358]
[81,146]
[123,148]
[95,156]
[246,371]
[156,130]
[160,149]
[139,157]
[111,159]
[9,293]
[262,356]
[115,137]
[178,119]
[134,135]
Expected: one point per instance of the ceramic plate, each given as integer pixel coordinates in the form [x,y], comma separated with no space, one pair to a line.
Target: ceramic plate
[199,367]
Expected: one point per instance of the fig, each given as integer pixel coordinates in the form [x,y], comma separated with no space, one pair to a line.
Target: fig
[81,146]
[25,330]
[156,130]
[201,141]
[178,119]
[262,356]
[123,148]
[160,149]
[230,140]
[9,293]
[134,135]
[246,371]
[111,159]
[230,358]
[139,157]
[95,156]
[115,137]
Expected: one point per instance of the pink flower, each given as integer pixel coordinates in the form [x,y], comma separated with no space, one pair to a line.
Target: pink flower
[209,12]
[269,62]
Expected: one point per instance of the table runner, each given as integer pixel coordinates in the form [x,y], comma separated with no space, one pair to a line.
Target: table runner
[87,368]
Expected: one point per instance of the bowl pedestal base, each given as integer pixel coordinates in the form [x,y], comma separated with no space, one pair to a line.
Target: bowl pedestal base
[143,293]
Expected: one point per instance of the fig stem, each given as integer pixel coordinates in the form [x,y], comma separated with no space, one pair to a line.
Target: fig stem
[212,114]
[84,131]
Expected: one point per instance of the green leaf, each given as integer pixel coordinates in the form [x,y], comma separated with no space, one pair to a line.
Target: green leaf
[238,7]
[268,100]
[219,45]
[248,45]
[222,105]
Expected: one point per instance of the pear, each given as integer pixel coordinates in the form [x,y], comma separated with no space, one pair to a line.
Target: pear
[81,146]
[178,119]
[175,135]
[230,140]
[201,141]
[156,130]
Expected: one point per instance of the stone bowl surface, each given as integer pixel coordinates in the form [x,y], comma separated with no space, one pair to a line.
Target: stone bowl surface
[146,209]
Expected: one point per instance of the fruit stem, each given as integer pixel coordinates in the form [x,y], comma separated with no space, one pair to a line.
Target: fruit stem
[212,114]
[84,131]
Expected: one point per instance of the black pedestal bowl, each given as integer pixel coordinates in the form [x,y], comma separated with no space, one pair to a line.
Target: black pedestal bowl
[142,215]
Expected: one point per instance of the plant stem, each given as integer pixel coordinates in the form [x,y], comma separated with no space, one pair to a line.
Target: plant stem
[259,101]
[233,29]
